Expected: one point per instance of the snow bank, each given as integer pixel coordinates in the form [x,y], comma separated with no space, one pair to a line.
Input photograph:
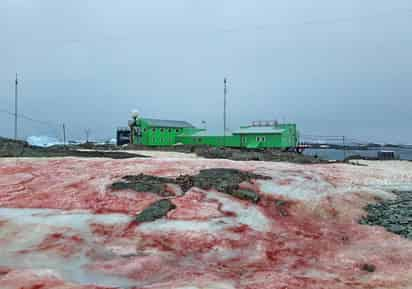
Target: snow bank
[60,215]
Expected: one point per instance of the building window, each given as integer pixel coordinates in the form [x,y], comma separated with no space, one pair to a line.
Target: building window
[258,139]
[169,130]
[199,139]
[153,129]
[177,130]
[145,130]
[161,130]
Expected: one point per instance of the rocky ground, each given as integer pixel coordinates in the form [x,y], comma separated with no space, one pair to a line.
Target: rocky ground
[64,223]
[227,181]
[255,155]
[223,180]
[236,154]
[395,215]
[12,148]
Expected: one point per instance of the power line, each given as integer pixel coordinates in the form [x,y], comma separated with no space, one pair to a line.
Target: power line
[26,117]
[337,20]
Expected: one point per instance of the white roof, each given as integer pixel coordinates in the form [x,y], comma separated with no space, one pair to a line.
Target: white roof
[259,130]
[167,123]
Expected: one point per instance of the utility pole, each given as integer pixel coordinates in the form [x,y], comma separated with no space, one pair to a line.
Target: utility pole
[224,110]
[64,134]
[344,148]
[87,131]
[15,106]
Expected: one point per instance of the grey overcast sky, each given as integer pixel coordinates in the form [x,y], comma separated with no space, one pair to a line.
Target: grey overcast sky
[333,67]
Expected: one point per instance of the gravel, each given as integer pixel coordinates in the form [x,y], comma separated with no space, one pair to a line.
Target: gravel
[223,180]
[394,215]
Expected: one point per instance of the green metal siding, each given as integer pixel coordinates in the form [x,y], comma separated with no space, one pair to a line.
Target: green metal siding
[262,141]
[160,136]
[290,137]
[217,141]
[283,136]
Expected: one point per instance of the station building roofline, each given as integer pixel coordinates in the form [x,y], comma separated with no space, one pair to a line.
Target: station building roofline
[259,130]
[152,122]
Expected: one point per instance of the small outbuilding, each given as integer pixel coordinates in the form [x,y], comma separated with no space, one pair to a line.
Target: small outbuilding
[385,155]
[279,136]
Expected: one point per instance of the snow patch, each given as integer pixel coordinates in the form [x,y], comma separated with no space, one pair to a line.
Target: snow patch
[27,228]
[246,213]
[58,218]
[165,225]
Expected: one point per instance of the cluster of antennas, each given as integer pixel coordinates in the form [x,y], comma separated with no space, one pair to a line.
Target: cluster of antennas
[260,123]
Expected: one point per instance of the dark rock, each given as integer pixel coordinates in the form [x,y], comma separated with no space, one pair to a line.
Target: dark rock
[280,203]
[120,186]
[12,148]
[394,215]
[283,212]
[223,180]
[239,154]
[145,183]
[368,268]
[246,195]
[396,228]
[155,211]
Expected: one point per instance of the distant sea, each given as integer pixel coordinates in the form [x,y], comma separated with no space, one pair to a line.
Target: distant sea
[337,154]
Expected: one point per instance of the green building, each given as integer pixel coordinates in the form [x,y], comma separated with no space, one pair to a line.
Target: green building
[156,132]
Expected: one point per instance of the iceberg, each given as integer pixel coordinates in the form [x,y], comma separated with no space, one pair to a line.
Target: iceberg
[43,141]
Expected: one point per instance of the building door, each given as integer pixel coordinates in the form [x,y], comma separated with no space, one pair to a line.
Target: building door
[137,135]
[243,141]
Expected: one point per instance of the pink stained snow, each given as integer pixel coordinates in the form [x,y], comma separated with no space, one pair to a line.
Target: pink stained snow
[61,226]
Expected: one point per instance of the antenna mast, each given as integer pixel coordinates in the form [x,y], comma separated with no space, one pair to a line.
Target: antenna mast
[15,107]
[224,110]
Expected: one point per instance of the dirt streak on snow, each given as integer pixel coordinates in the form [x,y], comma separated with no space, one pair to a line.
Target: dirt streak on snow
[61,226]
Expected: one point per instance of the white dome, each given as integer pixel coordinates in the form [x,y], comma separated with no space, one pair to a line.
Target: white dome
[135,113]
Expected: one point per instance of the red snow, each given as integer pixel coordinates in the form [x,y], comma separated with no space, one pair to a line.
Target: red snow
[194,206]
[30,279]
[59,243]
[205,242]
[52,185]
[139,268]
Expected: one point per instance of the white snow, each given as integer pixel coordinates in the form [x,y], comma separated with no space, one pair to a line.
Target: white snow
[246,214]
[166,225]
[58,218]
[27,228]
